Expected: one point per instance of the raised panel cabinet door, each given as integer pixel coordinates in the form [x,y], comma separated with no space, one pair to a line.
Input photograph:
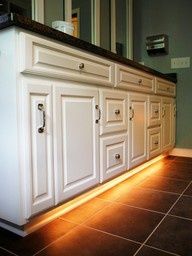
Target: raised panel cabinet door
[167,104]
[77,152]
[154,142]
[113,156]
[39,148]
[137,129]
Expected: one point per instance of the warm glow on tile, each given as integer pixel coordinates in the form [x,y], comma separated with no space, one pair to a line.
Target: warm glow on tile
[129,178]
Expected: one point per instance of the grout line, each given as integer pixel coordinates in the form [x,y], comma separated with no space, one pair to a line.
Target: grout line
[56,240]
[179,217]
[162,250]
[140,208]
[169,178]
[110,203]
[111,234]
[163,191]
[163,219]
[187,195]
[77,225]
[8,251]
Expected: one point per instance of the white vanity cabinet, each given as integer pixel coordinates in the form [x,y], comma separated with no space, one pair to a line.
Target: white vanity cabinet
[72,120]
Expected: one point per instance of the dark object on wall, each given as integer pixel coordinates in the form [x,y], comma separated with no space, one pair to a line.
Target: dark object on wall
[157,45]
[16,6]
[119,49]
[173,76]
[3,7]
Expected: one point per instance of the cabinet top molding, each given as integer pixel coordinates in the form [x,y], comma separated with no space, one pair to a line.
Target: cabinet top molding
[12,19]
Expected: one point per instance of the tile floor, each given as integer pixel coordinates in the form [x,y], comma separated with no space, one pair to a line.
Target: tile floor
[149,216]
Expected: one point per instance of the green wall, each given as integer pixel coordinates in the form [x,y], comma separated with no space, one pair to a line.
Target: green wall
[54,10]
[85,18]
[173,18]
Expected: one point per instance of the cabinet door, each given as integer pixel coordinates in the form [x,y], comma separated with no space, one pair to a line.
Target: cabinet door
[166,123]
[39,148]
[77,138]
[137,129]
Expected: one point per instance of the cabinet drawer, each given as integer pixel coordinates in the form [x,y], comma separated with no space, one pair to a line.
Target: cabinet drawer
[40,56]
[113,111]
[113,155]
[154,142]
[132,79]
[164,87]
[154,111]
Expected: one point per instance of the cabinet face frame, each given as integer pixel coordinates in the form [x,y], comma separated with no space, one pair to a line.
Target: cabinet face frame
[138,101]
[65,97]
[174,113]
[167,123]
[39,190]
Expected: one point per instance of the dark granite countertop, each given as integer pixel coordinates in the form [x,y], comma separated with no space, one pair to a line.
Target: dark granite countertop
[12,19]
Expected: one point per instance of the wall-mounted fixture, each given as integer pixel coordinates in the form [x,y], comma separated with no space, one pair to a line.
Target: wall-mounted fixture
[157,45]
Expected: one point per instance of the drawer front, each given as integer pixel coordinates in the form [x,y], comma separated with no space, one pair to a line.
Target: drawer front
[154,110]
[113,111]
[113,155]
[43,57]
[164,87]
[154,142]
[131,79]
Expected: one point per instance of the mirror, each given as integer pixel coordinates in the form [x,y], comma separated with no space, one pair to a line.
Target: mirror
[81,18]
[53,10]
[106,23]
[23,7]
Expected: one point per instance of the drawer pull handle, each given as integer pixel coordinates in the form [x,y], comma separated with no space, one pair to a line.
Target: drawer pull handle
[117,156]
[97,120]
[117,111]
[175,111]
[131,113]
[81,66]
[41,108]
[156,111]
[163,112]
[156,143]
[140,81]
